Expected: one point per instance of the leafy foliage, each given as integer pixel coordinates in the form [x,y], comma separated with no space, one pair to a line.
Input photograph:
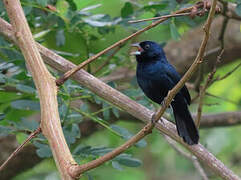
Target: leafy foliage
[77,30]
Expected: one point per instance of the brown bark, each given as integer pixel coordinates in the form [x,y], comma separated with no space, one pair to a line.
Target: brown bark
[221,119]
[46,87]
[135,109]
[182,53]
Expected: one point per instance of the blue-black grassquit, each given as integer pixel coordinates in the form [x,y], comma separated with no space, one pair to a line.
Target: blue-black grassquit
[156,77]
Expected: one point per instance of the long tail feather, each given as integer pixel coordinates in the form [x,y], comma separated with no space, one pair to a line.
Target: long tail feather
[185,125]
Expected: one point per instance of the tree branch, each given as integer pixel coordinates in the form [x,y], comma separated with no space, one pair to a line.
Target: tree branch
[192,69]
[221,119]
[45,84]
[125,103]
[178,55]
[77,170]
[62,79]
[161,17]
[188,156]
[30,137]
[203,90]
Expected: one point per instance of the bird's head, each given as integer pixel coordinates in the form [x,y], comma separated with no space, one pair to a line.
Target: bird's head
[148,51]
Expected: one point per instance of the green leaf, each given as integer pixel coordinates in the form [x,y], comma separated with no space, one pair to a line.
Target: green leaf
[174,32]
[16,114]
[100,151]
[27,10]
[62,7]
[26,105]
[128,161]
[60,38]
[238,9]
[26,89]
[116,165]
[127,135]
[8,96]
[21,137]
[26,124]
[96,23]
[43,150]
[75,117]
[81,149]
[42,3]
[115,112]
[63,110]
[127,10]
[72,5]
[106,112]
[71,133]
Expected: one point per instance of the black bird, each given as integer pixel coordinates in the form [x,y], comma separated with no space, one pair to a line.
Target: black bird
[156,77]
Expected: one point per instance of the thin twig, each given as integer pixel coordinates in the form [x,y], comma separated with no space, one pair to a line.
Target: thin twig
[188,156]
[191,70]
[161,17]
[122,101]
[107,60]
[69,73]
[30,137]
[76,170]
[199,79]
[224,25]
[222,98]
[223,29]
[203,90]
[45,85]
[212,51]
[227,74]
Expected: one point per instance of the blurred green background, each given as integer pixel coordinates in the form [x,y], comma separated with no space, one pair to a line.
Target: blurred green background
[78,29]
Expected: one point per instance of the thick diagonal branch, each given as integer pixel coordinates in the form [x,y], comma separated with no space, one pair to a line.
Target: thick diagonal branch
[69,73]
[125,103]
[45,84]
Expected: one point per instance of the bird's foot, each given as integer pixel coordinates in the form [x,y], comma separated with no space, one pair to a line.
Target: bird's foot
[164,104]
[154,120]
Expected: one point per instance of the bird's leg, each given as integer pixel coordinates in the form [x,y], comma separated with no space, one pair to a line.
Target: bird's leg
[163,103]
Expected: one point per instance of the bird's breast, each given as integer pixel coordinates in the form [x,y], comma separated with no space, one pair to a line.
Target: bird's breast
[150,81]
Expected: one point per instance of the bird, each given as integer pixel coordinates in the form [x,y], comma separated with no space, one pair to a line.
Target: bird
[156,76]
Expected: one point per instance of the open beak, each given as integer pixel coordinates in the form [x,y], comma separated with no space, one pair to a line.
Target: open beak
[139,49]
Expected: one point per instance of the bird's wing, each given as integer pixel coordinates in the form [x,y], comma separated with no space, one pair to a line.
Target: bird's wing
[175,77]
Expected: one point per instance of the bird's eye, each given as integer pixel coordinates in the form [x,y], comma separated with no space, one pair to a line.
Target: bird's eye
[147,46]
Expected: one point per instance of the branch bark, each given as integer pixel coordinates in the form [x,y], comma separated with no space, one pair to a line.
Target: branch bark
[221,119]
[69,73]
[45,84]
[179,56]
[131,107]
[198,60]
